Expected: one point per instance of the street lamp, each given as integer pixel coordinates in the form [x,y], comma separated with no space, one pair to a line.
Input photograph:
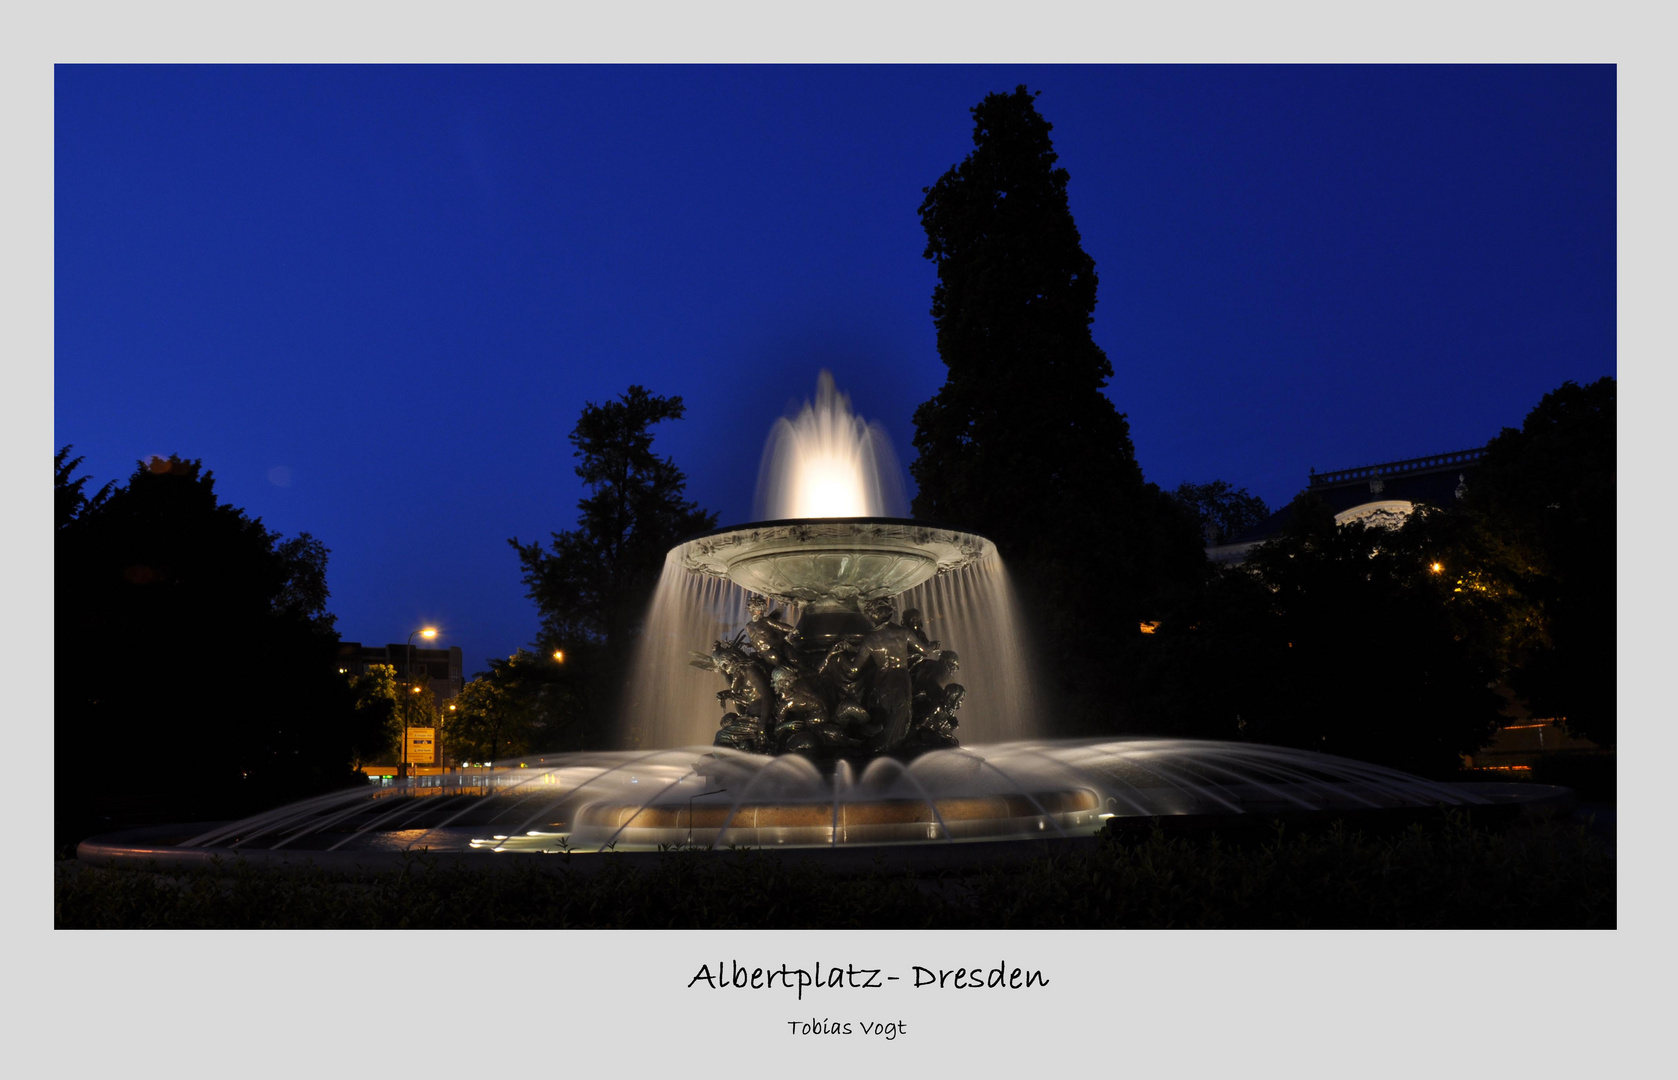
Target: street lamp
[426,632]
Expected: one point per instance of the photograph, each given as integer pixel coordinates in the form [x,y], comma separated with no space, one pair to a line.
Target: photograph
[790,545]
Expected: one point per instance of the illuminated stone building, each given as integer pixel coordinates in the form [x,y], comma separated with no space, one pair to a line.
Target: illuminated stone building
[1382,494]
[440,667]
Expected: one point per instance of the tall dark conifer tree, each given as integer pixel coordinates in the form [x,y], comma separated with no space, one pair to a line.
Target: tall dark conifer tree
[1020,443]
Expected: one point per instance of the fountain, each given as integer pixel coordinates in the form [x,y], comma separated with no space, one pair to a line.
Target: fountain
[838,718]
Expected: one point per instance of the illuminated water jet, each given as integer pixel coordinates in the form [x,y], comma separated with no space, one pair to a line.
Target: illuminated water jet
[827,462]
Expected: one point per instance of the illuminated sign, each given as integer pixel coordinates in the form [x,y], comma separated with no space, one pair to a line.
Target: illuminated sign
[422,746]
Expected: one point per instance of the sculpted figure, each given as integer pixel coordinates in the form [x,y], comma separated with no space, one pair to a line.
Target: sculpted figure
[915,622]
[748,683]
[930,677]
[741,733]
[889,645]
[937,730]
[889,689]
[768,632]
[805,724]
[888,649]
[944,720]
[934,671]
[797,697]
[841,672]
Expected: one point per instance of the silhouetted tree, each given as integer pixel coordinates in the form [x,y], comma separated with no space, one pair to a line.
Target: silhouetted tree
[1223,512]
[378,714]
[1548,490]
[69,502]
[1349,639]
[1020,443]
[1370,661]
[385,706]
[521,704]
[196,664]
[1487,584]
[1209,669]
[592,585]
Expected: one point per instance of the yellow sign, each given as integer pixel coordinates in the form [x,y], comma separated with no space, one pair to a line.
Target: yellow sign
[422,746]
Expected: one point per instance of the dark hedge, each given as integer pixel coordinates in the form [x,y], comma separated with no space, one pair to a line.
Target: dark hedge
[1451,875]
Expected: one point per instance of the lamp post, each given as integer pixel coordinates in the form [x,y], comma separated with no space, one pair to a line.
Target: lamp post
[426,632]
[439,754]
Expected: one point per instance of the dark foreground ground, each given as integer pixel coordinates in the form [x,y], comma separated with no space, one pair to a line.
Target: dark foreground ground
[1445,873]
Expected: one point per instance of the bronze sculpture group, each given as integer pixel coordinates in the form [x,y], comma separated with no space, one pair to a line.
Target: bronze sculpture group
[884,690]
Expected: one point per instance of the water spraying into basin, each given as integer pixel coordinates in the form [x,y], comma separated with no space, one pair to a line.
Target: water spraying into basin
[977,614]
[712,797]
[830,552]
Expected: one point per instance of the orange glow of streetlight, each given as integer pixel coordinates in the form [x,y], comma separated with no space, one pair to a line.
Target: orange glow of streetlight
[559,656]
[428,633]
[1437,568]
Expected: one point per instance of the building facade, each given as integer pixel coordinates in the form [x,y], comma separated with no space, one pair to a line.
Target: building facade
[441,668]
[1382,494]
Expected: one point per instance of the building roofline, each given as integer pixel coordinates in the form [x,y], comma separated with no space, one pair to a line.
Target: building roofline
[1407,467]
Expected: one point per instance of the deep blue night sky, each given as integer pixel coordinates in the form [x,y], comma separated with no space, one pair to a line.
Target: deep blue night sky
[373,300]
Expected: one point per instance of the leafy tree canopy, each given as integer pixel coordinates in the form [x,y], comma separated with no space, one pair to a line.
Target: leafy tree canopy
[385,705]
[377,696]
[1380,644]
[591,585]
[1548,491]
[213,659]
[593,581]
[69,501]
[1375,665]
[1223,511]
[523,704]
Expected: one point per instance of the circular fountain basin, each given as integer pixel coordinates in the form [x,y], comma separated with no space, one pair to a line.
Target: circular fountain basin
[969,806]
[834,821]
[844,561]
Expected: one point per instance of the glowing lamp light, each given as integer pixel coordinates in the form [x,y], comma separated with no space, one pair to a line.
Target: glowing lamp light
[559,656]
[1437,568]
[428,633]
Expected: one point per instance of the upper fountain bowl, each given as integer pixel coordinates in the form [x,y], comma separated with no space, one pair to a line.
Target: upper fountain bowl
[826,561]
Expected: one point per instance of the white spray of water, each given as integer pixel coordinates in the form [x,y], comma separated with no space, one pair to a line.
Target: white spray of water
[827,462]
[668,702]
[973,612]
